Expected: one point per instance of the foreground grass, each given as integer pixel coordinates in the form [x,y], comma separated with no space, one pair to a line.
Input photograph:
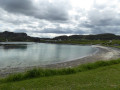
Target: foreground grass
[103,78]
[37,72]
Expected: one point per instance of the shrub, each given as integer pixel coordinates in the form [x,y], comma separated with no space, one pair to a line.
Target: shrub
[14,77]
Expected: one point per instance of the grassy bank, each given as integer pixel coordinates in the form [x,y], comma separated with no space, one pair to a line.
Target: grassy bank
[102,78]
[92,42]
[37,72]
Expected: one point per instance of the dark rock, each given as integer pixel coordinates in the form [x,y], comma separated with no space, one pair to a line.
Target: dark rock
[11,36]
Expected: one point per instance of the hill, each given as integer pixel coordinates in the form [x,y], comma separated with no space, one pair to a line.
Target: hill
[106,36]
[11,36]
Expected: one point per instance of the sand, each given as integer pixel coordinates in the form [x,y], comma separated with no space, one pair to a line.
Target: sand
[104,53]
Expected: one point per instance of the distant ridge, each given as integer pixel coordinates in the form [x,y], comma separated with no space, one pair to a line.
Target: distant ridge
[23,37]
[105,36]
[11,36]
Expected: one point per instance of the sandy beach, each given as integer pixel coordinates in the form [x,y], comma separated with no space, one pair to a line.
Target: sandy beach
[104,53]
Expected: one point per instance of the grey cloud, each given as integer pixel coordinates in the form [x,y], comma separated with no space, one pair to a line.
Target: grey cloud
[13,19]
[15,22]
[86,24]
[17,6]
[102,20]
[44,17]
[21,30]
[61,31]
[107,16]
[108,29]
[44,9]
[56,31]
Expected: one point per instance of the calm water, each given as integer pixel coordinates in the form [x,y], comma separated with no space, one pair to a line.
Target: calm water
[31,54]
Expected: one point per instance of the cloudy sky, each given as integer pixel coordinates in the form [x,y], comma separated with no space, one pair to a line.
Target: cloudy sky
[50,18]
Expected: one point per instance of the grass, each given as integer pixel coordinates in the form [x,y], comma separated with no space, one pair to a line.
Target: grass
[103,78]
[90,42]
[37,72]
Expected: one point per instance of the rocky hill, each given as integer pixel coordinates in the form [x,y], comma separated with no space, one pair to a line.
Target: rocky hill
[11,36]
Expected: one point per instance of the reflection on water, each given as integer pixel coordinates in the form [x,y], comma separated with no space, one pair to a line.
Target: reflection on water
[6,47]
[40,54]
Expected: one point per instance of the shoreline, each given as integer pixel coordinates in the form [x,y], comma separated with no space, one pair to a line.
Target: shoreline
[104,53]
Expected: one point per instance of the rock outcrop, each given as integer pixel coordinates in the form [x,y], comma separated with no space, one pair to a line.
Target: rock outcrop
[11,36]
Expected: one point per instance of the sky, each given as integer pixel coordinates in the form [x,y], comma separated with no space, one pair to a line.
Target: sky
[50,18]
